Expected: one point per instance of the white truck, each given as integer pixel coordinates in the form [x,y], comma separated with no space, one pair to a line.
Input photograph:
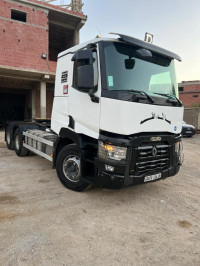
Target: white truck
[116,118]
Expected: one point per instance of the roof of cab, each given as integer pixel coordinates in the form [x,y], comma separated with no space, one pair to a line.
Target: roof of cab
[126,39]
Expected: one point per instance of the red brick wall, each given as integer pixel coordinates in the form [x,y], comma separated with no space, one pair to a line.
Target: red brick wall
[191,94]
[192,87]
[188,99]
[22,43]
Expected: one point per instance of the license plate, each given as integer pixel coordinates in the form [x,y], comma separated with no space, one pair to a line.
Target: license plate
[188,131]
[152,177]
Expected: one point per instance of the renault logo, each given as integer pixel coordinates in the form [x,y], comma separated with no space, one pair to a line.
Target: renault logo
[154,151]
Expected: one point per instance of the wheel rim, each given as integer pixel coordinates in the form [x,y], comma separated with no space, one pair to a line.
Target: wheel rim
[17,142]
[8,136]
[71,168]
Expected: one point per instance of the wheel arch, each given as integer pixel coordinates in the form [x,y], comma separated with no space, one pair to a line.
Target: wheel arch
[66,137]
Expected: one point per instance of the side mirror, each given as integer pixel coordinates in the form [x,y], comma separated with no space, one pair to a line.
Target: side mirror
[85,77]
[83,55]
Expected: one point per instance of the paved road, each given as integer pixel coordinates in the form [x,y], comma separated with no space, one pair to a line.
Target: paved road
[42,223]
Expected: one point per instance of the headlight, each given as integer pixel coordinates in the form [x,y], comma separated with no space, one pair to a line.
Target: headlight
[107,151]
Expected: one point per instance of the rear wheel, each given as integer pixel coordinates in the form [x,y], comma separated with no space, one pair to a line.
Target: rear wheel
[19,148]
[68,167]
[9,138]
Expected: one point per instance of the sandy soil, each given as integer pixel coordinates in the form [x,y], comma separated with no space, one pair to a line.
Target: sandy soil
[43,223]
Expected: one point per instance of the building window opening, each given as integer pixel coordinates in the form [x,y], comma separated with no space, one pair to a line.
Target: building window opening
[180,89]
[60,39]
[18,15]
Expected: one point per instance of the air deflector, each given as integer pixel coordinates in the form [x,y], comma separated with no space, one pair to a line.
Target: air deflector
[148,46]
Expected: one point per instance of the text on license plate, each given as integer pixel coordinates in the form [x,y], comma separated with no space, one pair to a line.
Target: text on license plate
[152,177]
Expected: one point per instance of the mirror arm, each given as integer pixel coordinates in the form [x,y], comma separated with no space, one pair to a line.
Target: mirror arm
[93,98]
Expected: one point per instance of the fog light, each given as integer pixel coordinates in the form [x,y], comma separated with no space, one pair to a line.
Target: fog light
[109,168]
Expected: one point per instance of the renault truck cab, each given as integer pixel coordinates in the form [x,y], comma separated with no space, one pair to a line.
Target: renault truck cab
[120,97]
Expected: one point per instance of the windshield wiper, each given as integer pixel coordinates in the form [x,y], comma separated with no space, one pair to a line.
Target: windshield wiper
[171,98]
[142,93]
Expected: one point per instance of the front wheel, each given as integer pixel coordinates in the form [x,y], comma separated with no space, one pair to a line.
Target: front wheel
[68,167]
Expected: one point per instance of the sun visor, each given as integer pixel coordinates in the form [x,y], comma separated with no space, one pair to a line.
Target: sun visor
[149,46]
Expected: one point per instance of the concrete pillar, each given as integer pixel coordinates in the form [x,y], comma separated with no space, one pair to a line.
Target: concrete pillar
[76,37]
[33,103]
[43,99]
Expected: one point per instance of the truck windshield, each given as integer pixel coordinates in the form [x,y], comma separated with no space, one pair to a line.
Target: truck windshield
[131,69]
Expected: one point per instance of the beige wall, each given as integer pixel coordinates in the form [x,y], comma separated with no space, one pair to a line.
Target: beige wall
[192,117]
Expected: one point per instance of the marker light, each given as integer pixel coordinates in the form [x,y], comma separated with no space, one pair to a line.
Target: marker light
[109,147]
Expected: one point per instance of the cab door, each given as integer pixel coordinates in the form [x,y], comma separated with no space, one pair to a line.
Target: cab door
[85,113]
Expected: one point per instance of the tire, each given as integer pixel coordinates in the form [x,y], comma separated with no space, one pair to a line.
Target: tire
[31,153]
[9,138]
[19,149]
[68,167]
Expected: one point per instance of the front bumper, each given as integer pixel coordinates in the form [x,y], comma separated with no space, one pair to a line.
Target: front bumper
[134,170]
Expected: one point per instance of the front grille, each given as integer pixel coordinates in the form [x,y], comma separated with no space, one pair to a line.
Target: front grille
[146,152]
[150,158]
[143,167]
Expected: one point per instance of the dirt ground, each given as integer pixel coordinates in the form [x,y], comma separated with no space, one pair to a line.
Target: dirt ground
[43,223]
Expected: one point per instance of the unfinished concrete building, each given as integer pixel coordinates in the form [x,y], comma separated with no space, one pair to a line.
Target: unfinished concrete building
[32,33]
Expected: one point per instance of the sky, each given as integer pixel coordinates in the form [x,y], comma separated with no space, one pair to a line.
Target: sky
[175,25]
